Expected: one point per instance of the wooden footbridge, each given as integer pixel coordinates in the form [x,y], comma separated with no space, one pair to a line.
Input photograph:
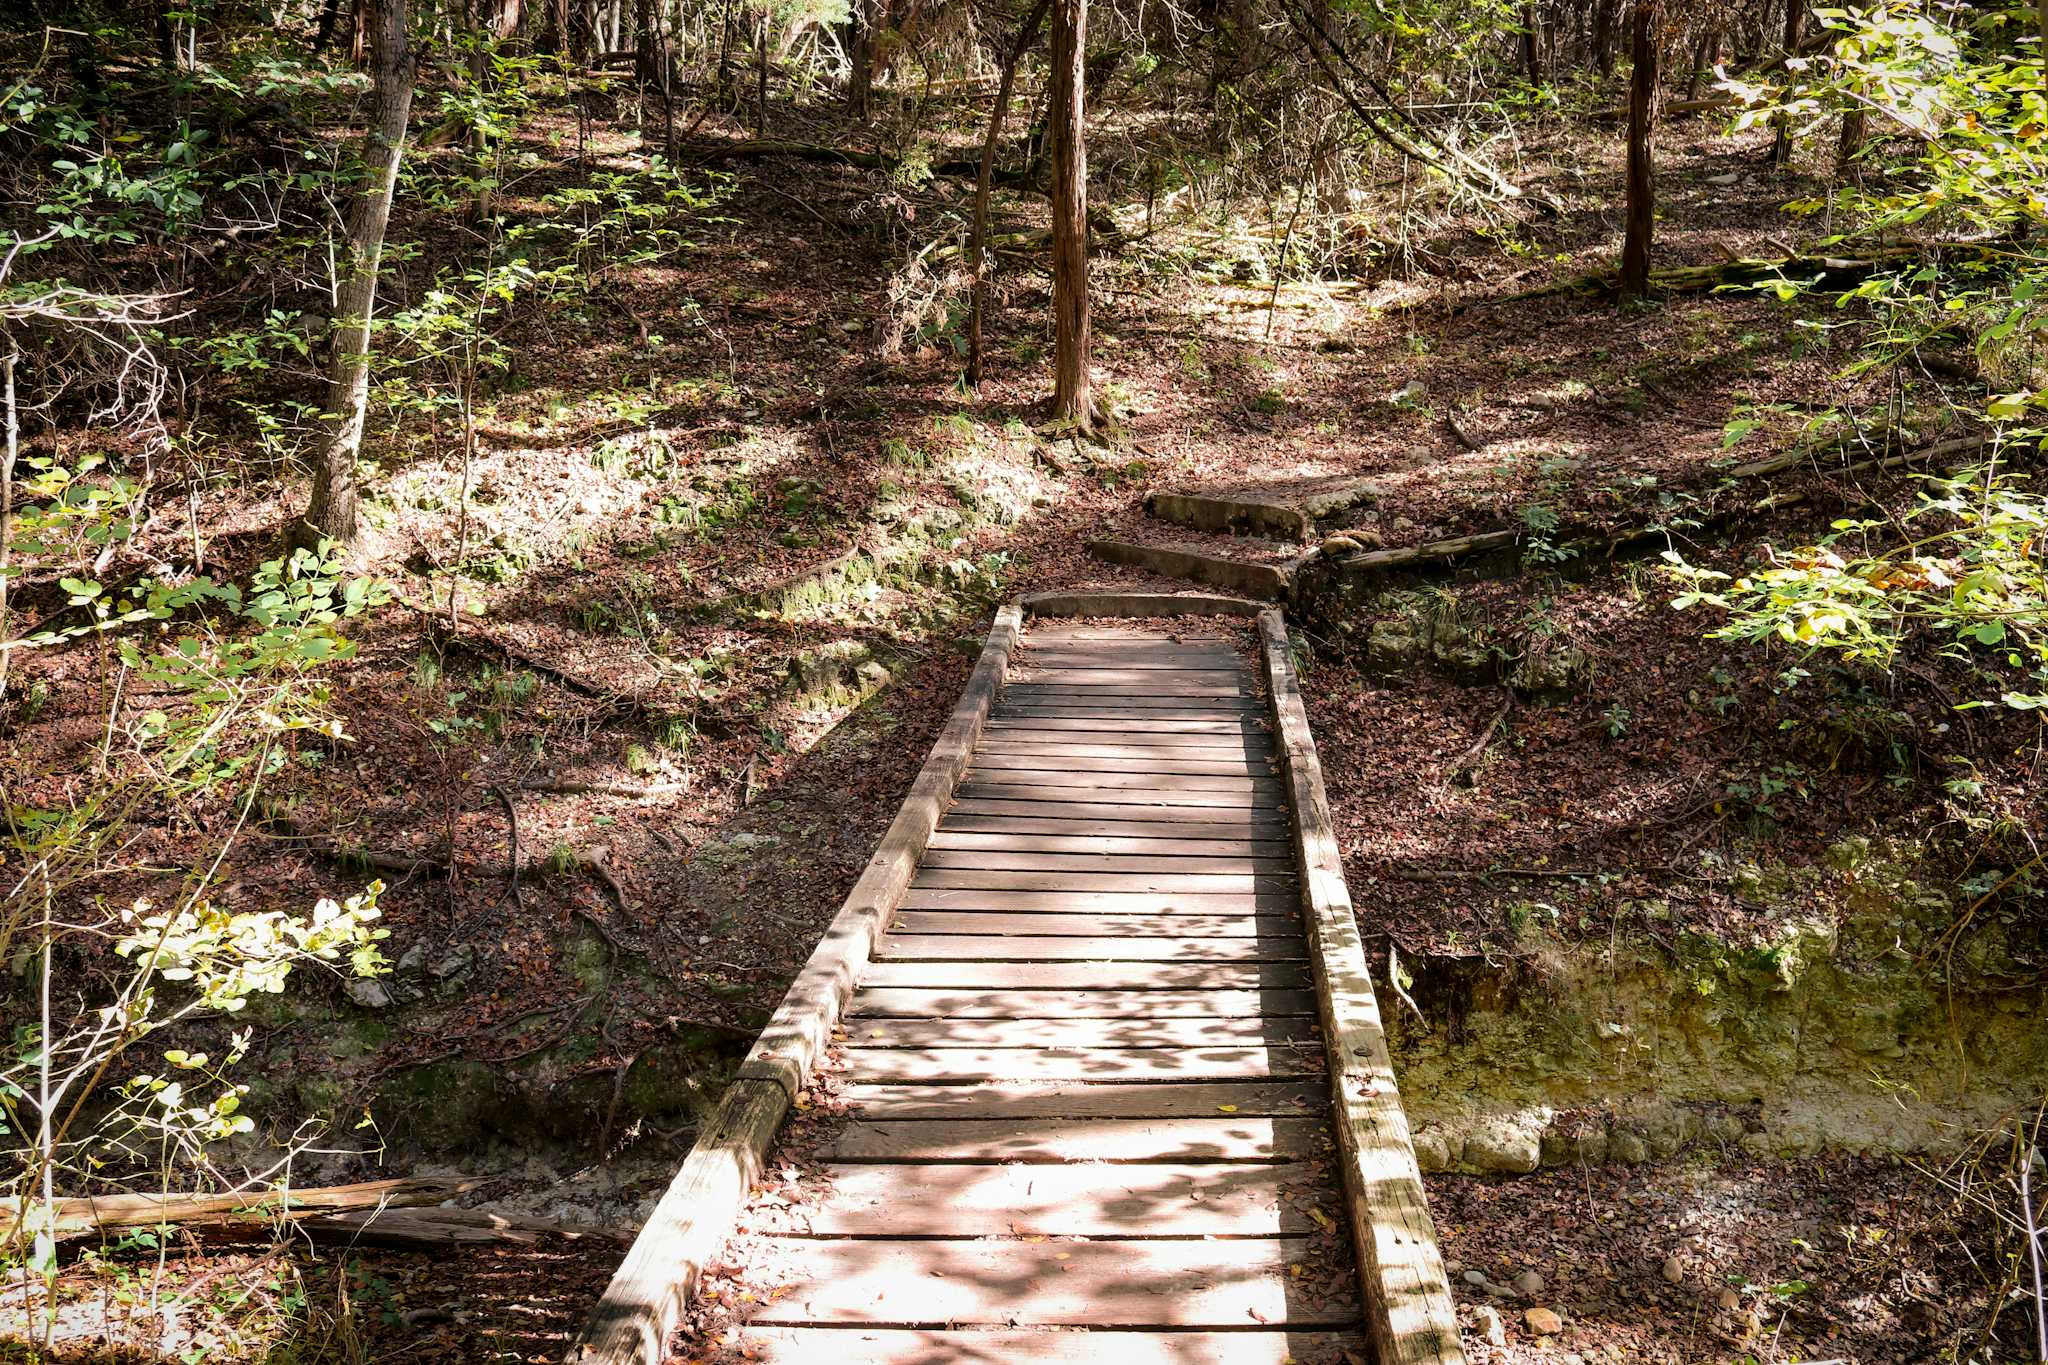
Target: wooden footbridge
[1106,1011]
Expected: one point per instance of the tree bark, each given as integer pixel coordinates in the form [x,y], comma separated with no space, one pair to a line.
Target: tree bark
[977,237]
[860,83]
[1603,36]
[1781,145]
[1850,145]
[1532,51]
[332,512]
[1646,44]
[1071,399]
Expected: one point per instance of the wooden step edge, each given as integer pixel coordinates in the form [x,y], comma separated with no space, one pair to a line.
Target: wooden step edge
[1265,581]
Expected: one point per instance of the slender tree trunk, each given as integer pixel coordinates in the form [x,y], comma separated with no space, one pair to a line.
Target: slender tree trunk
[7,461]
[1850,144]
[761,77]
[1781,145]
[867,36]
[1532,51]
[1646,45]
[977,238]
[1702,58]
[1603,36]
[1072,400]
[332,512]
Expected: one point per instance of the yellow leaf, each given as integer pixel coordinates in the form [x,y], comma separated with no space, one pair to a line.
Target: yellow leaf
[1226,1108]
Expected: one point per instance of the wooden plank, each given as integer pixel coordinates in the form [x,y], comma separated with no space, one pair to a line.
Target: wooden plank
[1049,860]
[1038,948]
[1040,1141]
[952,840]
[1116,817]
[1226,680]
[959,1006]
[981,789]
[1134,658]
[1080,1099]
[1163,1200]
[1410,1313]
[1142,748]
[1102,902]
[1006,1283]
[1221,1063]
[1109,603]
[1159,762]
[1031,713]
[1158,697]
[1013,879]
[1094,926]
[1012,1031]
[884,1346]
[1156,787]
[1006,723]
[645,1299]
[1107,976]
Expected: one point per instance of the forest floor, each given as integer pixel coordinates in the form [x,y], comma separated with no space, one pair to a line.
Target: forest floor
[696,790]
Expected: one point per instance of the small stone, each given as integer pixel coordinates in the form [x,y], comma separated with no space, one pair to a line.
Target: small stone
[1475,1277]
[368,992]
[1674,1269]
[1490,1326]
[1543,1322]
[1729,1300]
[1529,1283]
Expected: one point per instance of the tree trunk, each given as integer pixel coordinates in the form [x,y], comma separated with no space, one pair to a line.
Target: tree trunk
[1781,145]
[1603,36]
[761,77]
[1854,125]
[1646,45]
[860,82]
[1532,52]
[1071,399]
[977,237]
[332,512]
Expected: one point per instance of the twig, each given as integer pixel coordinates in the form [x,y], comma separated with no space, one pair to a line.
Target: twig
[1466,769]
[511,867]
[1394,980]
[631,790]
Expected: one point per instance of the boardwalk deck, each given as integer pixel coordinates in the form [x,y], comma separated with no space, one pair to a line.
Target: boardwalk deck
[1090,1113]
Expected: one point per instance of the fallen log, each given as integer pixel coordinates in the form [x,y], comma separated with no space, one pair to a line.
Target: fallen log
[89,1214]
[415,1229]
[760,149]
[1833,274]
[1675,109]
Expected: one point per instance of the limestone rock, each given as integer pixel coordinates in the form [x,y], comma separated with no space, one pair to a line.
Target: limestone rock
[1509,1143]
[1628,1148]
[1543,1322]
[1490,1326]
[1529,1284]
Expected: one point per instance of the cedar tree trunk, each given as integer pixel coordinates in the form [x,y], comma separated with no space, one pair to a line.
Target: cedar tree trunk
[1646,43]
[1071,399]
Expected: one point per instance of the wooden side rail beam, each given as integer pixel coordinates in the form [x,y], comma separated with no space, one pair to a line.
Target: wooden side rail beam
[646,1297]
[1409,1313]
